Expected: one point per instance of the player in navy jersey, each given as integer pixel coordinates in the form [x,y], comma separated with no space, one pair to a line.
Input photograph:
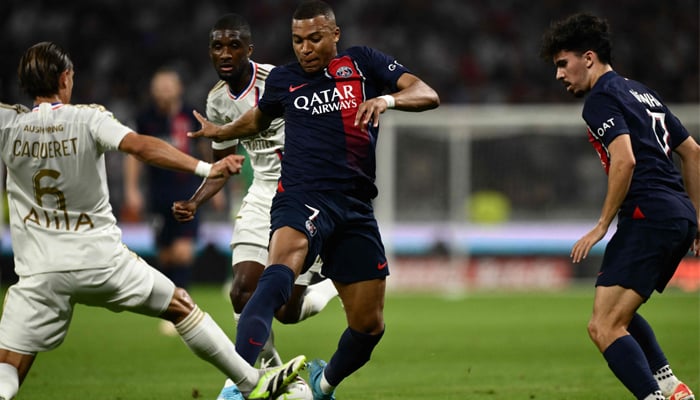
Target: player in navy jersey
[331,102]
[168,118]
[656,205]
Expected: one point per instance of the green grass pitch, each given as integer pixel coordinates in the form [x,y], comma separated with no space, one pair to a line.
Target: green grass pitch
[481,345]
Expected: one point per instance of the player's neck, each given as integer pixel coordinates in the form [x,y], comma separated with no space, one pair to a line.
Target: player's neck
[598,71]
[48,99]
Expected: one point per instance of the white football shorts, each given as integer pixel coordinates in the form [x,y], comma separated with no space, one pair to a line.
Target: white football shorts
[39,308]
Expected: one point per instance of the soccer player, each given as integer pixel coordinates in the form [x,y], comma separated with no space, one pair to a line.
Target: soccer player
[67,246]
[241,85]
[656,205]
[168,118]
[331,102]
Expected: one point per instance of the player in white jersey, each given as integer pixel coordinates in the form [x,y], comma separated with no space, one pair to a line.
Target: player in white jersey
[66,243]
[242,84]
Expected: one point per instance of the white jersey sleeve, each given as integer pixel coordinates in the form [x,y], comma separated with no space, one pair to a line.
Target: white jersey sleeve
[265,149]
[60,215]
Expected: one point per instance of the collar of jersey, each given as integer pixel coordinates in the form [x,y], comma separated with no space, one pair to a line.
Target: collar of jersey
[53,106]
[250,86]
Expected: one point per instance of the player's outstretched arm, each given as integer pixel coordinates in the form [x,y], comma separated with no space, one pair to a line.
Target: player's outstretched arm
[185,210]
[250,123]
[159,153]
[413,95]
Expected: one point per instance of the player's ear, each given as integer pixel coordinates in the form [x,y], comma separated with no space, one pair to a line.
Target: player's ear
[250,49]
[63,79]
[588,58]
[336,34]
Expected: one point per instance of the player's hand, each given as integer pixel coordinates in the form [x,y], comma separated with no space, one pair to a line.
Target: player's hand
[369,112]
[184,210]
[208,129]
[227,166]
[583,246]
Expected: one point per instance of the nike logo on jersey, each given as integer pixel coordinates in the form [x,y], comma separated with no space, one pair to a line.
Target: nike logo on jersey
[293,88]
[381,266]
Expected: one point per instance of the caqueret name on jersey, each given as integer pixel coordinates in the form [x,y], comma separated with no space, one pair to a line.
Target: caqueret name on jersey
[44,150]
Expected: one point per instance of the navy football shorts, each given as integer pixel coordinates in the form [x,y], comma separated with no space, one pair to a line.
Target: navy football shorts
[341,228]
[168,229]
[643,255]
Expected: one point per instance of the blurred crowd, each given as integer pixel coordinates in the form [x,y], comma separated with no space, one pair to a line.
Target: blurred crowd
[471,51]
[477,51]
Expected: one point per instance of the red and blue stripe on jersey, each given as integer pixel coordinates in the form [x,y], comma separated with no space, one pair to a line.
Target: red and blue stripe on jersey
[323,148]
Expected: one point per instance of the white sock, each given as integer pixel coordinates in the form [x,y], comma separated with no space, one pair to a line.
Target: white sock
[9,381]
[655,396]
[316,297]
[326,387]
[206,339]
[666,380]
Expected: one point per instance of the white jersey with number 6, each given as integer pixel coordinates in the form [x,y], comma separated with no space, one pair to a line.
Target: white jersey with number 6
[60,215]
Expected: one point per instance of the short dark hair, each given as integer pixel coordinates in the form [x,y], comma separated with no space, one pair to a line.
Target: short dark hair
[308,9]
[578,33]
[40,68]
[233,22]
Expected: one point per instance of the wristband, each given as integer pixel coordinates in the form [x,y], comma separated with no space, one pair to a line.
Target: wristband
[390,100]
[202,169]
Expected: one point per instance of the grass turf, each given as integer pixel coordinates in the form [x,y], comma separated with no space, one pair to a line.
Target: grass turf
[482,345]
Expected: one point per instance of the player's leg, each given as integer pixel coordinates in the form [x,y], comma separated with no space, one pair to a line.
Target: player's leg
[669,384]
[311,293]
[613,309]
[364,306]
[135,286]
[176,249]
[245,280]
[288,249]
[36,315]
[176,260]
[13,369]
[678,237]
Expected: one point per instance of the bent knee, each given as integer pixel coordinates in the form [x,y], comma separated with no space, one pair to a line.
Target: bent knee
[239,295]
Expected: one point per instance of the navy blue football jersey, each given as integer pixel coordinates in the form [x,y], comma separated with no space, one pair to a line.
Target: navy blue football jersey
[617,106]
[323,148]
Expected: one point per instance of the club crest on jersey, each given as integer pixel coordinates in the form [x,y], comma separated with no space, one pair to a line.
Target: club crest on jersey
[311,228]
[343,72]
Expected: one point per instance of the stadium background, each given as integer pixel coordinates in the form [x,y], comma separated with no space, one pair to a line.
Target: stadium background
[494,205]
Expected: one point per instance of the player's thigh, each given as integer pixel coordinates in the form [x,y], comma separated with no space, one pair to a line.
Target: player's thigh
[252,222]
[130,285]
[614,306]
[355,254]
[37,313]
[363,302]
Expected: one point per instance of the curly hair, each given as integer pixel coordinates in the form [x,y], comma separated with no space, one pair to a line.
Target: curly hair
[578,33]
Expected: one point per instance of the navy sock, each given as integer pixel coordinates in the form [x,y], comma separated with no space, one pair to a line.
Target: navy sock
[641,331]
[627,361]
[274,289]
[354,350]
